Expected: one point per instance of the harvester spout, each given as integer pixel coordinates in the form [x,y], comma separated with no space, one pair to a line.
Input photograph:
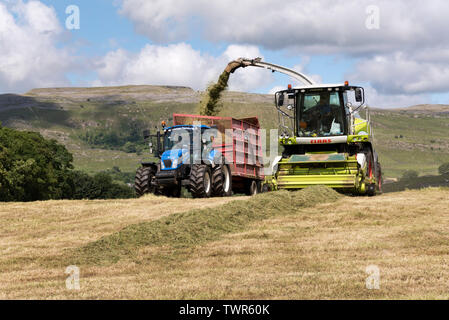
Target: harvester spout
[241,63]
[257,62]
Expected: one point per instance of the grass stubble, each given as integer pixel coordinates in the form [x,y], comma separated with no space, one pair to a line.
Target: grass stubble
[311,244]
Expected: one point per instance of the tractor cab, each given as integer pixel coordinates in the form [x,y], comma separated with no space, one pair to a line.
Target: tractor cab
[185,143]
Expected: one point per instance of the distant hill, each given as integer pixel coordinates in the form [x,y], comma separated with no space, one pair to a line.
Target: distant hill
[426,109]
[94,123]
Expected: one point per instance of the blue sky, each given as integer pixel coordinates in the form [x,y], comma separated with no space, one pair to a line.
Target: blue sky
[103,29]
[400,60]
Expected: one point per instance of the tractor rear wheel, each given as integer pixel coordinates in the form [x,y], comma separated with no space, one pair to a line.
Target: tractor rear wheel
[222,181]
[200,181]
[142,182]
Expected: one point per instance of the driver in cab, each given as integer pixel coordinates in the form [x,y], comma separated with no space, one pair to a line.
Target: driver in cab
[318,117]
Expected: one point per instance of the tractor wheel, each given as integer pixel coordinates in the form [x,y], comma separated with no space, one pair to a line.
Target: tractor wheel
[142,182]
[200,181]
[252,188]
[222,181]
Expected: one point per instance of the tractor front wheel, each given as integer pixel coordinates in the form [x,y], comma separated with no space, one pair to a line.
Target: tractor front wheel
[200,181]
[142,182]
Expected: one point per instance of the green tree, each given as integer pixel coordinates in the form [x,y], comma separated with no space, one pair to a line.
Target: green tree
[31,167]
[99,186]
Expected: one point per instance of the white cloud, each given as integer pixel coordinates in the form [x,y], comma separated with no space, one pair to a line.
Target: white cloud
[276,89]
[408,54]
[178,64]
[402,73]
[376,99]
[28,47]
[325,26]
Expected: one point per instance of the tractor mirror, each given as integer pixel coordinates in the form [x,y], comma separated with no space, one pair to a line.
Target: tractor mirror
[358,95]
[146,134]
[280,99]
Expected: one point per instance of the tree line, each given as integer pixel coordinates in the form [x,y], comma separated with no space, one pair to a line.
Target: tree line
[34,168]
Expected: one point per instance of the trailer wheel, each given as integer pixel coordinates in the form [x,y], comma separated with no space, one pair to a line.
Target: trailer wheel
[142,182]
[252,188]
[222,181]
[200,181]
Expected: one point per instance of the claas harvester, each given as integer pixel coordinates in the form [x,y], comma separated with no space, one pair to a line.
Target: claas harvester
[324,138]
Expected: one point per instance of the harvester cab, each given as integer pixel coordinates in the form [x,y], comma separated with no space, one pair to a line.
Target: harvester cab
[325,139]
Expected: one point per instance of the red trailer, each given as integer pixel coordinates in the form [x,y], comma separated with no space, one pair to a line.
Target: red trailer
[240,142]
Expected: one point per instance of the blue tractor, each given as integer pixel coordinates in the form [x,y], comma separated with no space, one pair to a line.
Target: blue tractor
[187,159]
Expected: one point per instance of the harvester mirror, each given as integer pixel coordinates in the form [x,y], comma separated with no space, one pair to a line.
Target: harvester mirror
[280,99]
[358,95]
[146,134]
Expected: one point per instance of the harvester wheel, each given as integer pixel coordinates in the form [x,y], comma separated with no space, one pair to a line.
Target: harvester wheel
[371,187]
[252,189]
[222,181]
[200,181]
[142,182]
[265,188]
[379,178]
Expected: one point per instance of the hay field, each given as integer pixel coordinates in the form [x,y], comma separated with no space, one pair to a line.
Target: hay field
[272,246]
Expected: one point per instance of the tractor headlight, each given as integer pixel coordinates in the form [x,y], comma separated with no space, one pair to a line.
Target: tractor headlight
[174,163]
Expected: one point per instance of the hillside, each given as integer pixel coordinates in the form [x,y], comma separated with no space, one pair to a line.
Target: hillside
[311,244]
[96,123]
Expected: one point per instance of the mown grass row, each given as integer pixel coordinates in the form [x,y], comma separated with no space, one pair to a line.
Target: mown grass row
[191,228]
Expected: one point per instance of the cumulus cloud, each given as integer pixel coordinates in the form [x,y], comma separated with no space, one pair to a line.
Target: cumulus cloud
[402,73]
[325,26]
[29,53]
[407,54]
[178,64]
[376,99]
